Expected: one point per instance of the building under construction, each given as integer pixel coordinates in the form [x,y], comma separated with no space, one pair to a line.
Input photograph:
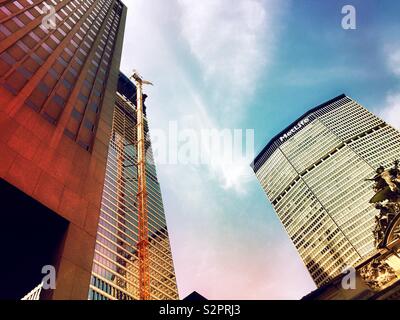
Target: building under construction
[132,256]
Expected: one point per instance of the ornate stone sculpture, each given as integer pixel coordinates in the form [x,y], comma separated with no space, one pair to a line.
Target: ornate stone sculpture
[377,274]
[386,199]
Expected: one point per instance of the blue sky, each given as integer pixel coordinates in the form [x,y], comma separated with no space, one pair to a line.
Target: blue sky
[257,65]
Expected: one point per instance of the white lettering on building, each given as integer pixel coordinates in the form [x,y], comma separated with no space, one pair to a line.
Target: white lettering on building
[296,128]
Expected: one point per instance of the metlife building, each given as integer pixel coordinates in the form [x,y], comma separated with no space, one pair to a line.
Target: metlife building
[314,173]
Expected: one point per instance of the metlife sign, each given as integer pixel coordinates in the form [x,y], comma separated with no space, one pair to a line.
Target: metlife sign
[296,126]
[300,125]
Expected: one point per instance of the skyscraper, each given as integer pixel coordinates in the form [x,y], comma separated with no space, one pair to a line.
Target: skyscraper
[59,67]
[115,273]
[314,172]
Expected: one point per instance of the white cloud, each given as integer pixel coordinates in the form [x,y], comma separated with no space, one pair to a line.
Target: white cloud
[391,112]
[228,44]
[202,208]
[232,43]
[230,170]
[393,59]
[232,46]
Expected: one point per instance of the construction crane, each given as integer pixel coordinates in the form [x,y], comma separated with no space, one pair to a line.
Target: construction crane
[143,241]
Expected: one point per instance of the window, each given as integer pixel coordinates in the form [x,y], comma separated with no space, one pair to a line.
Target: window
[59,100]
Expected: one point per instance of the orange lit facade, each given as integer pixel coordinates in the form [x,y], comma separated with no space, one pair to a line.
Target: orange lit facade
[57,97]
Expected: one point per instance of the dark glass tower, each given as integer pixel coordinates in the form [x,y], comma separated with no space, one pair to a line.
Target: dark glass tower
[115,274]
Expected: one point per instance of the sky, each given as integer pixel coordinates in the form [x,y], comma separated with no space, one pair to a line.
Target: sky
[257,65]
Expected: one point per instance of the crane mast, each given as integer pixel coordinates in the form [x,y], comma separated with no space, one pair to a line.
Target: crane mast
[143,240]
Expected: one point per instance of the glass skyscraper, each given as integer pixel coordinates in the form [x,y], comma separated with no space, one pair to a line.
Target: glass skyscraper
[314,172]
[115,273]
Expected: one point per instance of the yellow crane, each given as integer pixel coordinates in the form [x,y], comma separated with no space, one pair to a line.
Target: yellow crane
[143,240]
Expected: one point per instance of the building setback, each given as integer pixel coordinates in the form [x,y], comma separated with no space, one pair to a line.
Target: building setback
[314,172]
[57,95]
[115,273]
